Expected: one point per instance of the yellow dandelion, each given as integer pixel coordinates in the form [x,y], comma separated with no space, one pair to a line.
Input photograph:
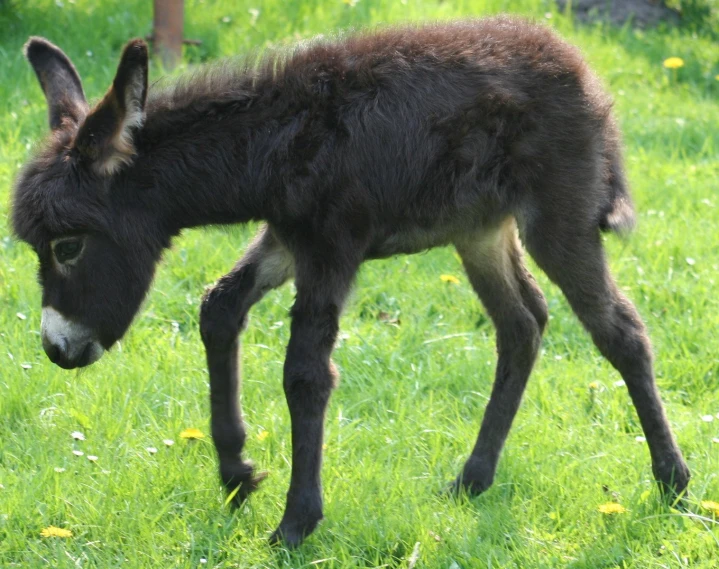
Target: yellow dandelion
[52,531]
[449,279]
[594,385]
[262,435]
[711,506]
[674,63]
[612,508]
[192,433]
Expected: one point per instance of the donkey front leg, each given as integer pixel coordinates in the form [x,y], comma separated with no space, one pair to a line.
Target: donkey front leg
[265,265]
[309,377]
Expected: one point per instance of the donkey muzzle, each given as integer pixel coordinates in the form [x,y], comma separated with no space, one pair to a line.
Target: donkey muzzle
[68,344]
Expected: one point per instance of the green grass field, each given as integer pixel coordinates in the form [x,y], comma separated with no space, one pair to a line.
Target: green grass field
[416,354]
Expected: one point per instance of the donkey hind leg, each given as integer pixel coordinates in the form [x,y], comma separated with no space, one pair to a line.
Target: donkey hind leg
[576,263]
[309,376]
[265,265]
[517,307]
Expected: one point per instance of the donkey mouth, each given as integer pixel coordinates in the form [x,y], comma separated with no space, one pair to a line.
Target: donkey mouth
[66,343]
[58,354]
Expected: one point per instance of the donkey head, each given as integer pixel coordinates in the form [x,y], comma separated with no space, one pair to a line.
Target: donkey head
[83,205]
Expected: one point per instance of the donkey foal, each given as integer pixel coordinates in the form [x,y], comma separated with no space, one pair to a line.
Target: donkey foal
[469,133]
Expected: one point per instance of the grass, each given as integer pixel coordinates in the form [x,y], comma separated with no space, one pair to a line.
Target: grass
[412,393]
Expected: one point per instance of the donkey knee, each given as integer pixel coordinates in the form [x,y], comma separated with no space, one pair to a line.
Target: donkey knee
[220,322]
[309,379]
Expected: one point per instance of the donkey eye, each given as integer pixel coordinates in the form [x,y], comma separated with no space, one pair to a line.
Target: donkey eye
[67,250]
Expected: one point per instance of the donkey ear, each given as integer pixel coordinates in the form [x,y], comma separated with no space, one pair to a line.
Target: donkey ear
[106,136]
[59,81]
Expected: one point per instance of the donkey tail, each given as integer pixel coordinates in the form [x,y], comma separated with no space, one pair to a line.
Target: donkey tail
[618,216]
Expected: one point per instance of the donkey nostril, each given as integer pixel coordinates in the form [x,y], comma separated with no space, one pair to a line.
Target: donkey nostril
[53,353]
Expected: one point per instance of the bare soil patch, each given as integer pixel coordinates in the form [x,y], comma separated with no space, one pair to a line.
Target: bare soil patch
[643,13]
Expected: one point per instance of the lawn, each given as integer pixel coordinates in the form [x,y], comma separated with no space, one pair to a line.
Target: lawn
[416,353]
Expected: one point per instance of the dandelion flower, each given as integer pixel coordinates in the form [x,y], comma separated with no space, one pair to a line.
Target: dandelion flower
[449,279]
[612,508]
[711,506]
[168,442]
[151,450]
[594,385]
[262,435]
[78,452]
[77,435]
[674,63]
[192,433]
[52,531]
[91,458]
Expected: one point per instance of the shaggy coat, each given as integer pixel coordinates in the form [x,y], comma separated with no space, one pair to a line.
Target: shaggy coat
[471,133]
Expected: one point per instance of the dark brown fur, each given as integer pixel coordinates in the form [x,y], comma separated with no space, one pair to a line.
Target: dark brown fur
[469,133]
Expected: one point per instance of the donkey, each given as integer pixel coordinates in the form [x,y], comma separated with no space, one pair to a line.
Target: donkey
[473,133]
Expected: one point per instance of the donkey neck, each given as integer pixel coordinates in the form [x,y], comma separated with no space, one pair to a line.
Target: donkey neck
[210,163]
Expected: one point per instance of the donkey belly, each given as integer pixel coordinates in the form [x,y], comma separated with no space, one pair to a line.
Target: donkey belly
[414,237]
[411,240]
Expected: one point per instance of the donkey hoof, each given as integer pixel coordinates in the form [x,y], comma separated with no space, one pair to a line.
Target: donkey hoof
[243,491]
[462,486]
[673,480]
[290,539]
[476,477]
[291,535]
[240,481]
